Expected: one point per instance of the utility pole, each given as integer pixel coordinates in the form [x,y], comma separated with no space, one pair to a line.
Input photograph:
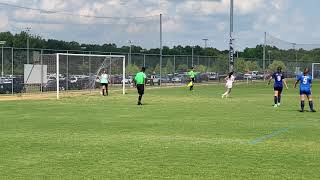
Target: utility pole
[192,48]
[264,55]
[28,43]
[2,43]
[231,51]
[160,49]
[205,42]
[296,55]
[130,46]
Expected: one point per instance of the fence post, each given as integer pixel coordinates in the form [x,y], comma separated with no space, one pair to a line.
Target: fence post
[174,64]
[41,62]
[67,76]
[12,59]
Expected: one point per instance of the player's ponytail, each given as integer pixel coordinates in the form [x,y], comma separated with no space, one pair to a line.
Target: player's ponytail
[230,74]
[279,69]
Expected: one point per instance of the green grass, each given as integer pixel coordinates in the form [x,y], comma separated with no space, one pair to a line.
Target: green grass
[177,134]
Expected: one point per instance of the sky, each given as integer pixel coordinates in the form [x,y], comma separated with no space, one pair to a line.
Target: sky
[184,22]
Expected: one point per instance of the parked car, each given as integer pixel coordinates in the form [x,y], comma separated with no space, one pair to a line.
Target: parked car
[16,83]
[177,79]
[212,76]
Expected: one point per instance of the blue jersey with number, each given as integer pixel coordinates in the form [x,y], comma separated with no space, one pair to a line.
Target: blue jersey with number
[278,77]
[305,82]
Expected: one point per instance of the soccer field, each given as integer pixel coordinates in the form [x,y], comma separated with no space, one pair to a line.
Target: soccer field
[176,134]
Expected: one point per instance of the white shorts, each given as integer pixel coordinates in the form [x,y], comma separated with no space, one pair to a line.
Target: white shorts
[229,86]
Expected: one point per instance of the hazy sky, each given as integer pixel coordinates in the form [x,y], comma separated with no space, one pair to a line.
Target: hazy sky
[184,21]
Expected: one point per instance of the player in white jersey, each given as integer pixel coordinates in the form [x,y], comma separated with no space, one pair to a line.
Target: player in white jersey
[104,81]
[230,80]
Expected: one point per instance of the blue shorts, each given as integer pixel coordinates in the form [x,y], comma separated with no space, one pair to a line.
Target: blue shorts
[305,92]
[279,89]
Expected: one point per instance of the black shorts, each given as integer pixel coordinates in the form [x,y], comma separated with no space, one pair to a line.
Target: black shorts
[104,84]
[279,89]
[140,88]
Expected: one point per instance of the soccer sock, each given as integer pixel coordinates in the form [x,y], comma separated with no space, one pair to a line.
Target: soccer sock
[275,100]
[311,105]
[302,105]
[279,98]
[102,92]
[140,97]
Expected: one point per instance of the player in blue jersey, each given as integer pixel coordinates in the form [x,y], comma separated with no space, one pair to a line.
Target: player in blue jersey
[305,89]
[279,80]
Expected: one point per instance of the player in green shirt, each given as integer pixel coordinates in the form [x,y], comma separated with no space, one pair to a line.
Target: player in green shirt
[192,76]
[104,80]
[140,80]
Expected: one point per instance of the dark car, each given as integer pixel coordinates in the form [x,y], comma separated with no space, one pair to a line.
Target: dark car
[17,85]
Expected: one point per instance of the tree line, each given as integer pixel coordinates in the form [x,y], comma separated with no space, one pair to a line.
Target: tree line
[247,60]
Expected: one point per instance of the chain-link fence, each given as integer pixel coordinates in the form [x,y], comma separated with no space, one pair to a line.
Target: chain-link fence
[36,73]
[293,57]
[81,71]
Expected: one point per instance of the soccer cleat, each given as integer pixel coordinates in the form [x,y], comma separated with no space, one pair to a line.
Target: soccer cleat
[312,110]
[301,110]
[222,96]
[278,104]
[275,105]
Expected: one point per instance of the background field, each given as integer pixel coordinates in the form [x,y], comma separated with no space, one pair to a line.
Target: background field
[177,134]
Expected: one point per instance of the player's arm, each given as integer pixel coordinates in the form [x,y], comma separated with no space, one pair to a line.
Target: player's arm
[134,82]
[285,83]
[270,78]
[295,84]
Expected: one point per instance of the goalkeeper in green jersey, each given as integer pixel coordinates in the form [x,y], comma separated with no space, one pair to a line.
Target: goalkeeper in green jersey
[192,76]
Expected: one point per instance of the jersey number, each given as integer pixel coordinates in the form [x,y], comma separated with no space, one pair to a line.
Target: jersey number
[305,80]
[278,78]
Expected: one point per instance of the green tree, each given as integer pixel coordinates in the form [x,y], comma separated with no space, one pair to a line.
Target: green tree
[132,69]
[200,68]
[157,69]
[275,64]
[182,68]
[240,65]
[252,66]
[169,67]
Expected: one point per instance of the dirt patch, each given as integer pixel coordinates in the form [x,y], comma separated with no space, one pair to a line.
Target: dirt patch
[24,97]
[70,94]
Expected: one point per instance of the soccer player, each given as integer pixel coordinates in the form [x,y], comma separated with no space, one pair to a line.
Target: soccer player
[140,80]
[279,80]
[305,89]
[230,80]
[192,76]
[104,80]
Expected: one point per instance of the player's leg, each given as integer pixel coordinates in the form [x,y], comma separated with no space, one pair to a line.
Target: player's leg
[107,89]
[279,96]
[102,89]
[225,93]
[302,101]
[228,92]
[191,87]
[275,98]
[309,96]
[140,88]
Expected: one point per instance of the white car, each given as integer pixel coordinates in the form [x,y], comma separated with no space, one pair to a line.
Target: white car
[73,79]
[176,79]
